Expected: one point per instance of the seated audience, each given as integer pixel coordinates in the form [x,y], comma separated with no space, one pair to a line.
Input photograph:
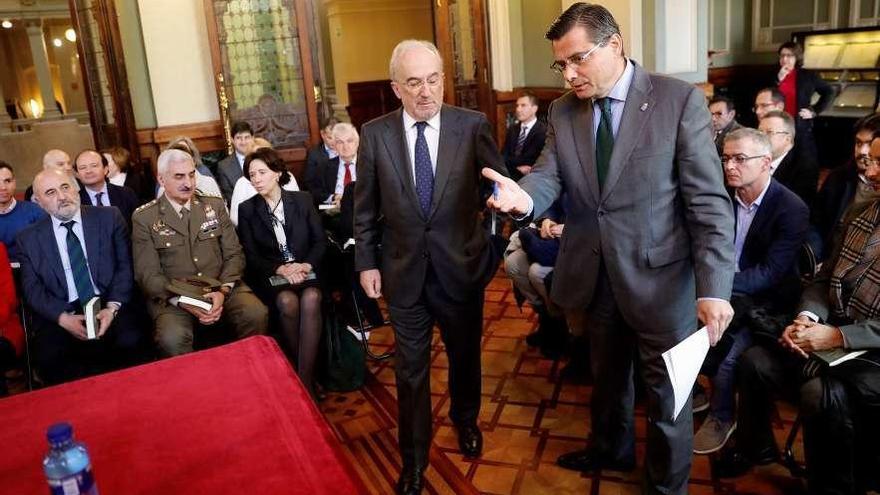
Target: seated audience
[525,139]
[838,405]
[723,119]
[54,159]
[282,238]
[91,170]
[229,170]
[76,254]
[14,215]
[771,226]
[798,85]
[320,154]
[244,190]
[327,185]
[205,183]
[846,191]
[122,172]
[11,332]
[793,166]
[184,234]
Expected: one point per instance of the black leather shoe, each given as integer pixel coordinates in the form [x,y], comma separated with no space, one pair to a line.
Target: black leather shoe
[470,440]
[587,460]
[733,463]
[411,481]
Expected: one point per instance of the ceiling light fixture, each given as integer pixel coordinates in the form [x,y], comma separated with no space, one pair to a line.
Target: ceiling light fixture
[70,34]
[57,42]
[6,24]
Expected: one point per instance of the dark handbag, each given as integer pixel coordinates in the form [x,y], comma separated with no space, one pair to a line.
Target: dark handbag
[345,360]
[539,250]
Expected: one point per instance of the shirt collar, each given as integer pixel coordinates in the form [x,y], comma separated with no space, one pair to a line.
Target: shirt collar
[103,189]
[621,87]
[56,222]
[757,202]
[353,161]
[239,157]
[529,123]
[177,206]
[13,203]
[775,163]
[409,121]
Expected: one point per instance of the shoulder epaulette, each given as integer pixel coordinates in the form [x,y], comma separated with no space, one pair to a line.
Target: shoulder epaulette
[146,205]
[207,195]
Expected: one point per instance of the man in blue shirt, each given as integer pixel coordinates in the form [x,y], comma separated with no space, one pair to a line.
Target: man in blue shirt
[14,215]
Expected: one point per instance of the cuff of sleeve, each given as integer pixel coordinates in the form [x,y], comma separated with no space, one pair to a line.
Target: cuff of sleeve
[528,212]
[810,315]
[711,299]
[174,300]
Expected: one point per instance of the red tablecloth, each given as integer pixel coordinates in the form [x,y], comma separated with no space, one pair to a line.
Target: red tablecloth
[229,420]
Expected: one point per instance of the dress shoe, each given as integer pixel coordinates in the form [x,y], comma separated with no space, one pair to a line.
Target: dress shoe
[733,463]
[470,440]
[587,460]
[411,481]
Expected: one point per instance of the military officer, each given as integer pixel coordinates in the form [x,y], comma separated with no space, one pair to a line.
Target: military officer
[182,234]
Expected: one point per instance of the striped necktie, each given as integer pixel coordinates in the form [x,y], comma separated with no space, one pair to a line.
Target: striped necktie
[79,266]
[521,140]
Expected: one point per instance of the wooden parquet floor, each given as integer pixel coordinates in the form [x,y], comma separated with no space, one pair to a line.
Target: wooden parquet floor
[528,418]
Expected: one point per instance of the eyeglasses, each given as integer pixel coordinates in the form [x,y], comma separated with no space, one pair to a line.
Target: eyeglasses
[577,60]
[738,159]
[762,106]
[416,85]
[775,133]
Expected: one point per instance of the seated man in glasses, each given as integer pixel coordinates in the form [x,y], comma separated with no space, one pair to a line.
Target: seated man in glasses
[791,165]
[771,225]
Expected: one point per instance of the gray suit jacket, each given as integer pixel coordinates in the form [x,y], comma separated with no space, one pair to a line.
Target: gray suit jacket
[662,224]
[228,173]
[451,237]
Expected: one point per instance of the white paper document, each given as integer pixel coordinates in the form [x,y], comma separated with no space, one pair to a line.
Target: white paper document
[683,363]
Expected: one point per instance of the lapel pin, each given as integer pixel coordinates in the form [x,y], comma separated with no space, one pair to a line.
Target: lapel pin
[643,107]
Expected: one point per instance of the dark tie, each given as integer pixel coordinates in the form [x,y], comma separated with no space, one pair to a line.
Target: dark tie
[98,200]
[79,267]
[521,140]
[604,141]
[346,180]
[424,171]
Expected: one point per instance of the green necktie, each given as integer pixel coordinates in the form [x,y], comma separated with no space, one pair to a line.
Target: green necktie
[604,141]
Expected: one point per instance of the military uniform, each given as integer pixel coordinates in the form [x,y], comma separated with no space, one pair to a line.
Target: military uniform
[166,246]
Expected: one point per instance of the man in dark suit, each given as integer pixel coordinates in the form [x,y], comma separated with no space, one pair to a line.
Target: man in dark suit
[68,258]
[723,119]
[771,226]
[846,190]
[91,169]
[229,169]
[648,241]
[419,167]
[525,139]
[331,178]
[319,154]
[793,166]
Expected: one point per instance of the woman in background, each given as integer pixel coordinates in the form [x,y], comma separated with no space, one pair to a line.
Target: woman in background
[122,172]
[798,85]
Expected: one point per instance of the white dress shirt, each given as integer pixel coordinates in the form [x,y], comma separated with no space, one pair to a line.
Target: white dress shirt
[340,176]
[240,159]
[244,191]
[119,179]
[61,240]
[432,136]
[528,126]
[775,163]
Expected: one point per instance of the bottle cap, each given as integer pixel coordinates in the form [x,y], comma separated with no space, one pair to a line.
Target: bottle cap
[59,433]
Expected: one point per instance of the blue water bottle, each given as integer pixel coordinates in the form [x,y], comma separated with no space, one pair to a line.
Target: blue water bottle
[67,465]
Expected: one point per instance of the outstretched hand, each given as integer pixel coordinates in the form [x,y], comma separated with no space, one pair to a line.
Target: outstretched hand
[508,196]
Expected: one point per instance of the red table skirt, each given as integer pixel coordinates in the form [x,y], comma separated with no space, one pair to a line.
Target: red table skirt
[234,419]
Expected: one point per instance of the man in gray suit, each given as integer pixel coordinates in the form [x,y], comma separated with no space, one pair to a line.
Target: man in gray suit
[648,241]
[419,167]
[229,169]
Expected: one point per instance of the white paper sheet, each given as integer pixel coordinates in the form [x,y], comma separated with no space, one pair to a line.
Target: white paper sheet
[683,363]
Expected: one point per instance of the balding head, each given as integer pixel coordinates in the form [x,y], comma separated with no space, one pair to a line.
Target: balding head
[57,159]
[55,192]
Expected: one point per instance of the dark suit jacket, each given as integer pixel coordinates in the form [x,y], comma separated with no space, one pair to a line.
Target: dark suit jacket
[322,182]
[316,159]
[228,173]
[137,182]
[531,149]
[450,238]
[768,263]
[662,224]
[303,229]
[799,172]
[107,250]
[719,138]
[833,200]
[119,196]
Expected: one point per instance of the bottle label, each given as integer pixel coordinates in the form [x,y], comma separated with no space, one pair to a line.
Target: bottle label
[81,483]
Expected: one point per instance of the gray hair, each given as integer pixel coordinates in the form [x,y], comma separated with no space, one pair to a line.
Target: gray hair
[407,45]
[756,137]
[787,120]
[172,156]
[344,129]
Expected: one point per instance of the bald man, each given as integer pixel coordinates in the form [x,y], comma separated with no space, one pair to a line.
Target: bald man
[54,159]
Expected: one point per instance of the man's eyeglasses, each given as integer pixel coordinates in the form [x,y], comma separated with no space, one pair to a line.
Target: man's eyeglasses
[738,159]
[762,106]
[775,133]
[416,85]
[576,60]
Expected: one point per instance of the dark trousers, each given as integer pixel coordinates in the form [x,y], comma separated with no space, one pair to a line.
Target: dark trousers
[61,357]
[460,323]
[614,347]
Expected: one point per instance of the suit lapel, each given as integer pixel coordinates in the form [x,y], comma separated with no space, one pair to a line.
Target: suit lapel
[585,142]
[450,140]
[765,210]
[636,111]
[53,255]
[396,146]
[91,231]
[112,196]
[263,214]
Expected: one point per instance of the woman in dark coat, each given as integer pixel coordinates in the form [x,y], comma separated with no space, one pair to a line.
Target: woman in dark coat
[798,85]
[283,241]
